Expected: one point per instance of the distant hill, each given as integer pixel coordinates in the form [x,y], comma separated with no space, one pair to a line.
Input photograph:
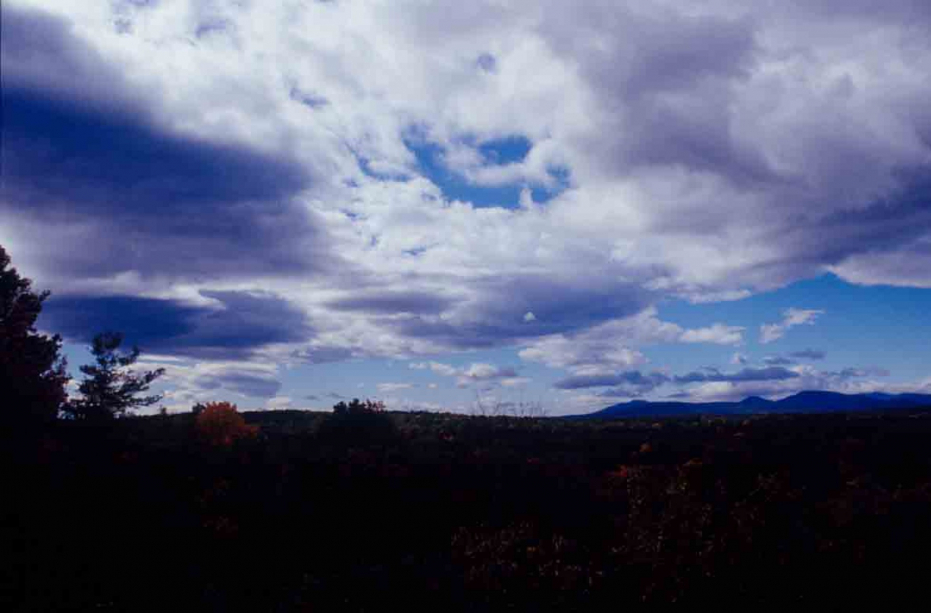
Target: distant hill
[802,402]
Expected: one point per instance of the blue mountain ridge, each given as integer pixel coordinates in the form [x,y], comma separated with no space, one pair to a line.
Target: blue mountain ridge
[802,402]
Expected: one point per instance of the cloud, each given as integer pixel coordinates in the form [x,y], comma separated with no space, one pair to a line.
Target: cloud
[388,388]
[718,334]
[851,373]
[643,383]
[477,372]
[239,379]
[279,403]
[904,265]
[392,302]
[482,371]
[771,373]
[187,382]
[711,384]
[168,149]
[232,325]
[848,380]
[583,354]
[437,367]
[606,348]
[777,360]
[317,353]
[495,313]
[790,317]
[739,359]
[128,192]
[809,354]
[901,261]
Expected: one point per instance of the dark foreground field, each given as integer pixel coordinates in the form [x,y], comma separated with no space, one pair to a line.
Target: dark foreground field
[395,511]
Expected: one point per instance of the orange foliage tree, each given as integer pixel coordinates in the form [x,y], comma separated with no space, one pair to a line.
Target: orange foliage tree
[219,423]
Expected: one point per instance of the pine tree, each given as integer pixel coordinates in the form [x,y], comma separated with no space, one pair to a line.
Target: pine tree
[109,388]
[33,373]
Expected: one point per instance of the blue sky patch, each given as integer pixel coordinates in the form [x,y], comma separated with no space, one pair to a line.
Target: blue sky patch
[507,150]
[500,151]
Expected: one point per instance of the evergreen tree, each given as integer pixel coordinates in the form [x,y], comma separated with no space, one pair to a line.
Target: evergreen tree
[109,388]
[33,373]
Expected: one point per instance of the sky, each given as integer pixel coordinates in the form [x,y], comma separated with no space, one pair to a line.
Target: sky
[471,206]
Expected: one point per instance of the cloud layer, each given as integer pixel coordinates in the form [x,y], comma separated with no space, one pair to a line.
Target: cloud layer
[320,181]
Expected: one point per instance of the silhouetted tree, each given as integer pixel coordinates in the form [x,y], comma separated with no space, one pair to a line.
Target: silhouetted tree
[32,371]
[109,388]
[355,407]
[358,423]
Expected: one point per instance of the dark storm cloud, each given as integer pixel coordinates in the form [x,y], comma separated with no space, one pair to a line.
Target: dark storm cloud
[853,373]
[80,148]
[393,302]
[676,52]
[809,354]
[889,10]
[888,222]
[212,26]
[242,323]
[635,378]
[678,79]
[496,313]
[673,76]
[810,239]
[64,156]
[487,62]
[322,354]
[487,372]
[249,384]
[308,99]
[624,392]
[695,135]
[41,54]
[772,373]
[458,336]
[558,304]
[677,90]
[729,133]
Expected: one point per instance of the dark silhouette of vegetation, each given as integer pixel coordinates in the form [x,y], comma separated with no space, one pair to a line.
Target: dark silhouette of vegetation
[32,371]
[109,387]
[355,407]
[358,423]
[474,514]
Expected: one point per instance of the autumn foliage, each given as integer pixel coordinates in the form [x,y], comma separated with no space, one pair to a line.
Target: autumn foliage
[221,424]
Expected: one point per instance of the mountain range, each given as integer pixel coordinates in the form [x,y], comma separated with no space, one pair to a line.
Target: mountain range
[802,402]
